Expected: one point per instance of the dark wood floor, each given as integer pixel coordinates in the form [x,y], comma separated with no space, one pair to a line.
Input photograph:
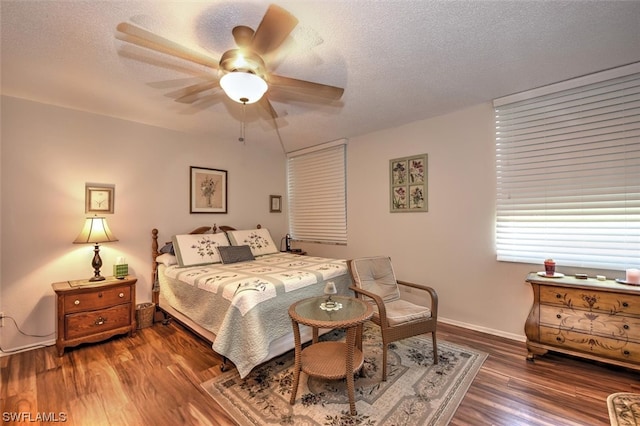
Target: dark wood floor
[154,379]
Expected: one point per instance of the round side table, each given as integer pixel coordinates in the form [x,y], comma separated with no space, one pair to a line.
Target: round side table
[329,360]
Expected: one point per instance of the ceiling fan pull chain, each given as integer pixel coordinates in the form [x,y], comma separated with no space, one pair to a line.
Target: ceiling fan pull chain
[241,138]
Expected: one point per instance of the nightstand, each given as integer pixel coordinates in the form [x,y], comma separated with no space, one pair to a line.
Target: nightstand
[94,311]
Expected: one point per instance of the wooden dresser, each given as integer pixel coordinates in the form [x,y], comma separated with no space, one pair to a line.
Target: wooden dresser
[598,320]
[92,312]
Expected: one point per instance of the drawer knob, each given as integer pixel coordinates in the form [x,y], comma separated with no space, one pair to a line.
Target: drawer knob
[626,326]
[100,321]
[625,304]
[558,316]
[558,296]
[626,353]
[121,295]
[76,302]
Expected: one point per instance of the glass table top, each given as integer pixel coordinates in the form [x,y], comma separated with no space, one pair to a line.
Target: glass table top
[312,310]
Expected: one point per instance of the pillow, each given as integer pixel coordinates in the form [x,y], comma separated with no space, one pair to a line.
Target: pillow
[198,249]
[168,248]
[259,240]
[233,254]
[167,259]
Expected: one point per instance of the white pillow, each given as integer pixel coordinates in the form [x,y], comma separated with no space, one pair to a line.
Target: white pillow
[259,240]
[198,249]
[167,259]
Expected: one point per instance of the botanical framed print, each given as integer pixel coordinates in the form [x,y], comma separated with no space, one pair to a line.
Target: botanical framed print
[99,198]
[208,190]
[408,184]
[275,204]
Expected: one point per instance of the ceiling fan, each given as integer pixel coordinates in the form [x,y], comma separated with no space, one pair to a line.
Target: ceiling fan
[244,75]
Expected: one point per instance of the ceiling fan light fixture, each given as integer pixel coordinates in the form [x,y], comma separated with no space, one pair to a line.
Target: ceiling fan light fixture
[243,87]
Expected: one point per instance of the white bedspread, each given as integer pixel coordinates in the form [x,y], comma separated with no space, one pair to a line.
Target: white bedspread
[246,304]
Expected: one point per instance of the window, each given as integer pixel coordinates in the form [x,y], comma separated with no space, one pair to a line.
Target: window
[568,172]
[316,179]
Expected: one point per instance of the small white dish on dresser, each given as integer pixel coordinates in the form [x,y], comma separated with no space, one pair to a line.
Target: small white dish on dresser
[621,281]
[555,275]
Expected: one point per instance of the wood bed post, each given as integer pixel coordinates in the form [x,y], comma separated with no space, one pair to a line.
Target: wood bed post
[155,291]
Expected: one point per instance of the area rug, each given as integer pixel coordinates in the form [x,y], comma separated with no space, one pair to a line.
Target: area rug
[624,409]
[416,391]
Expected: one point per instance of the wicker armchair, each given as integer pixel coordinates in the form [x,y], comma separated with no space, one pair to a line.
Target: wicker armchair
[375,281]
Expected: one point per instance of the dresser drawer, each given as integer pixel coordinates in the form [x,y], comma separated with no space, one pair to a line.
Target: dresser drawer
[93,322]
[595,345]
[591,322]
[590,300]
[81,302]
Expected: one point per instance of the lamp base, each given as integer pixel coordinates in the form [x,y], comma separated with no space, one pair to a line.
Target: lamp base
[97,264]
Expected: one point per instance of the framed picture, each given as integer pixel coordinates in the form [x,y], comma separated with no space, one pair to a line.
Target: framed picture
[408,184]
[275,204]
[208,193]
[99,198]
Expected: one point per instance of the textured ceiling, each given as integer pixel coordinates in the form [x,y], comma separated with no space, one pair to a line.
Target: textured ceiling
[399,61]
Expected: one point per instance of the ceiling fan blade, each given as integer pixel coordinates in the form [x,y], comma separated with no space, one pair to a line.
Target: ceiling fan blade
[189,94]
[267,108]
[275,27]
[149,40]
[312,89]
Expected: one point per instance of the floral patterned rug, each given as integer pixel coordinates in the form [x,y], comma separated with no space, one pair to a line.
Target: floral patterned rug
[416,391]
[624,409]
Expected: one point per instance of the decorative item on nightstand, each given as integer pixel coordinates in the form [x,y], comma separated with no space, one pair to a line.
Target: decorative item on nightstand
[120,269]
[95,231]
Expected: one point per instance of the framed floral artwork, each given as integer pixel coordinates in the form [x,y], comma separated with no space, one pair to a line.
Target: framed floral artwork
[99,198]
[208,190]
[408,184]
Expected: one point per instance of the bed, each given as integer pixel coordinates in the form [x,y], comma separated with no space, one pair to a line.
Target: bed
[233,288]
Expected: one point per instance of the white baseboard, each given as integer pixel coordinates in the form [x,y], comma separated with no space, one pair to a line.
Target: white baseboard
[517,337]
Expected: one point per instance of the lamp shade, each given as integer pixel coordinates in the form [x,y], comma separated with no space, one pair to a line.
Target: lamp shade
[95,231]
[330,288]
[243,87]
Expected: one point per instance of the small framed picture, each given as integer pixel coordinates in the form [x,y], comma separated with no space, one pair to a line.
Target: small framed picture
[275,203]
[208,190]
[99,198]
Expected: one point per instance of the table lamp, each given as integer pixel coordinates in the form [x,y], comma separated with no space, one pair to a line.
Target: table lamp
[329,289]
[95,231]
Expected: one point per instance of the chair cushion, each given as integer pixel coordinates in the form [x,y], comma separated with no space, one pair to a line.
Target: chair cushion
[401,311]
[375,274]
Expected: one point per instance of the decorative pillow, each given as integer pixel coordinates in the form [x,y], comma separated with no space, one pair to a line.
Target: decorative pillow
[259,240]
[198,249]
[167,259]
[233,254]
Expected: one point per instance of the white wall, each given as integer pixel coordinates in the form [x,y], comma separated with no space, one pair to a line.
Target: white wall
[451,247]
[49,153]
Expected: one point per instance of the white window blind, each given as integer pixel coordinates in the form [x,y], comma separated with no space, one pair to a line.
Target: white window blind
[568,172]
[316,180]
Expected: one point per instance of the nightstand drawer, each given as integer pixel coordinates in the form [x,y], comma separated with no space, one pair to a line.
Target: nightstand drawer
[93,322]
[97,299]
